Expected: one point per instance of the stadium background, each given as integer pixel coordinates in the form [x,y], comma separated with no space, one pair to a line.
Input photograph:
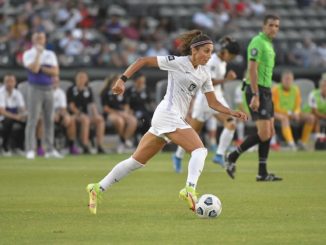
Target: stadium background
[104,37]
[44,201]
[300,44]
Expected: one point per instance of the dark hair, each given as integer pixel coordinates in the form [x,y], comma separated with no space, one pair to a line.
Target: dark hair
[108,83]
[270,17]
[229,44]
[189,38]
[286,72]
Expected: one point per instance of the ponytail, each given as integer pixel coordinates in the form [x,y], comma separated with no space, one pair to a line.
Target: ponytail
[192,39]
[229,44]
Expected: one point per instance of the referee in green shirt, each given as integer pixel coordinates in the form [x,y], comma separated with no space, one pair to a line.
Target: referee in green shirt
[261,60]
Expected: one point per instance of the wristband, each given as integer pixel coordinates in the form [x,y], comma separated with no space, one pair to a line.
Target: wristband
[255,94]
[124,78]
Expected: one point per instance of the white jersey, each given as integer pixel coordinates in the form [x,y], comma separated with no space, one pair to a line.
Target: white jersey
[217,68]
[48,57]
[59,99]
[183,82]
[12,102]
[201,110]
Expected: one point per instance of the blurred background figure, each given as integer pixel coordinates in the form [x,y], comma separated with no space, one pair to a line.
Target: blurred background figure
[317,104]
[287,107]
[41,65]
[62,119]
[139,101]
[12,116]
[117,110]
[82,107]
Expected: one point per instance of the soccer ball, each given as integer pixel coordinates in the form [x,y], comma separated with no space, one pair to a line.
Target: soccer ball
[208,206]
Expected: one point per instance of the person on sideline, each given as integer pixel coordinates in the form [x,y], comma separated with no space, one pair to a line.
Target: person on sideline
[287,107]
[12,112]
[82,106]
[116,109]
[186,75]
[261,60]
[201,111]
[317,105]
[62,117]
[41,65]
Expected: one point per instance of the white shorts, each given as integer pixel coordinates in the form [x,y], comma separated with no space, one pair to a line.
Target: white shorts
[166,122]
[201,111]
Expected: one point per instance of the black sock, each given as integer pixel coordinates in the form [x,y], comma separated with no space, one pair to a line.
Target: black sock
[122,139]
[70,143]
[249,142]
[263,150]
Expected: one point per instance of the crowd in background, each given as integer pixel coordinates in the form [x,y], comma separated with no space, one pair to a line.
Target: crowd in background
[77,117]
[79,121]
[88,32]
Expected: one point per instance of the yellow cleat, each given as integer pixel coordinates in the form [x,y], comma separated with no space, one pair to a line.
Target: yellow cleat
[95,196]
[189,195]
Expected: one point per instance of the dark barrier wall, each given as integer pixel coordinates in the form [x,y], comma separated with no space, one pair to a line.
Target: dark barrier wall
[154,75]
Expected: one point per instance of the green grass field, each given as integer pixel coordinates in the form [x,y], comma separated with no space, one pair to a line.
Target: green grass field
[44,202]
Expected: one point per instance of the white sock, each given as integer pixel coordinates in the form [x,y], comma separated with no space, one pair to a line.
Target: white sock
[225,141]
[180,152]
[240,130]
[119,171]
[273,140]
[196,165]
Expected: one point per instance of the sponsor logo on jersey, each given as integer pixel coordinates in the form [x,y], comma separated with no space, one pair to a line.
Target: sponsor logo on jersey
[171,57]
[192,87]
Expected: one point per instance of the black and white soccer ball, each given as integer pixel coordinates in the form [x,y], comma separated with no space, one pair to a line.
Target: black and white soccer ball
[208,206]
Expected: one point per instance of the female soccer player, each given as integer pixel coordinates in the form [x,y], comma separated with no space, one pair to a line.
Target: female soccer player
[186,75]
[201,110]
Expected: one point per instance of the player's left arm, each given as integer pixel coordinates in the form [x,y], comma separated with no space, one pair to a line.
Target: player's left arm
[52,68]
[231,75]
[297,107]
[52,71]
[217,106]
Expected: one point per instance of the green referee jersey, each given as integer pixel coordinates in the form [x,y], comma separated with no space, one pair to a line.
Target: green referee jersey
[261,50]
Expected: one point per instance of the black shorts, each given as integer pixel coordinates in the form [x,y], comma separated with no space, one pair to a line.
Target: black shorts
[266,107]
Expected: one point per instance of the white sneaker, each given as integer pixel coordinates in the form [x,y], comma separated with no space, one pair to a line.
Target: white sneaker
[53,154]
[30,155]
[7,153]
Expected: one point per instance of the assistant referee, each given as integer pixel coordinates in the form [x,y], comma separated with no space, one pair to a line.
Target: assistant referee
[261,60]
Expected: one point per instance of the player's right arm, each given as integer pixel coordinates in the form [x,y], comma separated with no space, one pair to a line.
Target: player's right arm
[119,86]
[253,76]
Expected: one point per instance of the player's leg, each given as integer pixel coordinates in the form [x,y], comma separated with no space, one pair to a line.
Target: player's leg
[48,115]
[197,125]
[211,127]
[84,121]
[69,123]
[98,121]
[309,121]
[130,129]
[225,138]
[148,146]
[7,125]
[286,129]
[190,141]
[264,114]
[34,104]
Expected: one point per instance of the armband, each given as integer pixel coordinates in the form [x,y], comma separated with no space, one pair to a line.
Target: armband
[124,78]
